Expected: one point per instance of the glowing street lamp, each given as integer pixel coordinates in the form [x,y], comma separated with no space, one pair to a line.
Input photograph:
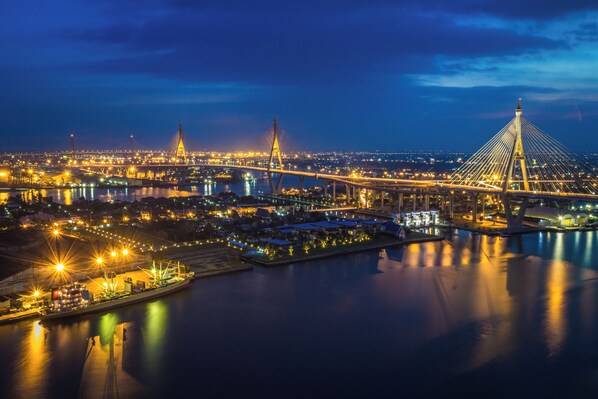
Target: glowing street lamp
[99,261]
[56,232]
[113,254]
[125,252]
[36,293]
[59,267]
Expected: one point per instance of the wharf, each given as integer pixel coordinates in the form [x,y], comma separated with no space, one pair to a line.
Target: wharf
[377,244]
[19,316]
[207,261]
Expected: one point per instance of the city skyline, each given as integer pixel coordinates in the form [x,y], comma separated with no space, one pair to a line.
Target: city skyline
[377,76]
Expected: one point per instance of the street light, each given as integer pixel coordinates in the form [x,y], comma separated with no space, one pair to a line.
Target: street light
[99,261]
[59,267]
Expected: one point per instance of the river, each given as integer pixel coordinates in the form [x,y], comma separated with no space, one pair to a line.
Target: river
[240,187]
[472,316]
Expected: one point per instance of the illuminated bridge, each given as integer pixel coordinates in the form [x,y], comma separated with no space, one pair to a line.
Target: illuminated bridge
[520,163]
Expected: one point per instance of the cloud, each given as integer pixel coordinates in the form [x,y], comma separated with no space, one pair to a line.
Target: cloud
[562,69]
[279,46]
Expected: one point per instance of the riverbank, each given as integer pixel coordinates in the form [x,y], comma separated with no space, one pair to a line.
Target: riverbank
[379,243]
[210,260]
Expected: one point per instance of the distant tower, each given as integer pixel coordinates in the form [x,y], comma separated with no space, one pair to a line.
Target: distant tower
[517,153]
[275,151]
[72,142]
[132,143]
[181,154]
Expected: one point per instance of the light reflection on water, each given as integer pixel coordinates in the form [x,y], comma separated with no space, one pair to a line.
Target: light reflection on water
[468,311]
[29,373]
[67,196]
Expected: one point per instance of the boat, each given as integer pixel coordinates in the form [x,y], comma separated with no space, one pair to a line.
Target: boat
[74,299]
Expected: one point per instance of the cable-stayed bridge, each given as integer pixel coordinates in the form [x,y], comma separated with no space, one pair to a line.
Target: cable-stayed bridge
[518,164]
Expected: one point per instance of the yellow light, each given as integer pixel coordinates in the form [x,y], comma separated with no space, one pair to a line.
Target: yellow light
[59,267]
[125,252]
[99,261]
[36,293]
[113,253]
[56,232]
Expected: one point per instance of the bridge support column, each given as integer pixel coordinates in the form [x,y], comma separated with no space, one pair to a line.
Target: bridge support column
[399,202]
[301,178]
[334,192]
[382,200]
[483,205]
[451,205]
[514,222]
[275,187]
[474,210]
[427,202]
[414,201]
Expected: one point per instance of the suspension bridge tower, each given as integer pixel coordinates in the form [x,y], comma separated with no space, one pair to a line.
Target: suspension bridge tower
[181,154]
[275,153]
[517,153]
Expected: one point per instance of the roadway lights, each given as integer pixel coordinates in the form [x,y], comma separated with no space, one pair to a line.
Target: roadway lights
[125,252]
[59,267]
[56,232]
[99,261]
[113,254]
[36,293]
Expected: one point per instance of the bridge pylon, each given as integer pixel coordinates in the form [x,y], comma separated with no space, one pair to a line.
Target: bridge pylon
[517,153]
[181,154]
[275,153]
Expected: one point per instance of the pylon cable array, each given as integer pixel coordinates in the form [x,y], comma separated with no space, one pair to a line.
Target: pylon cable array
[550,166]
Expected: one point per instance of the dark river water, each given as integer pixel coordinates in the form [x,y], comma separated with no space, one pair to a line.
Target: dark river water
[241,187]
[472,316]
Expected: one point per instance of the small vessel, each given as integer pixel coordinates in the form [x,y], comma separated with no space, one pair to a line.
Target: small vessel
[75,299]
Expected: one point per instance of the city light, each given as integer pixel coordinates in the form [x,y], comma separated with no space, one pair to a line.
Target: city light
[56,232]
[59,267]
[113,254]
[99,261]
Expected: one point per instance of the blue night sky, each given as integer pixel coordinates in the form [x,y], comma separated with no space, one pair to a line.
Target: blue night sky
[340,75]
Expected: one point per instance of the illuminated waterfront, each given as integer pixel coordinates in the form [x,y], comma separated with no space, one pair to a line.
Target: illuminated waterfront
[486,313]
[68,195]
